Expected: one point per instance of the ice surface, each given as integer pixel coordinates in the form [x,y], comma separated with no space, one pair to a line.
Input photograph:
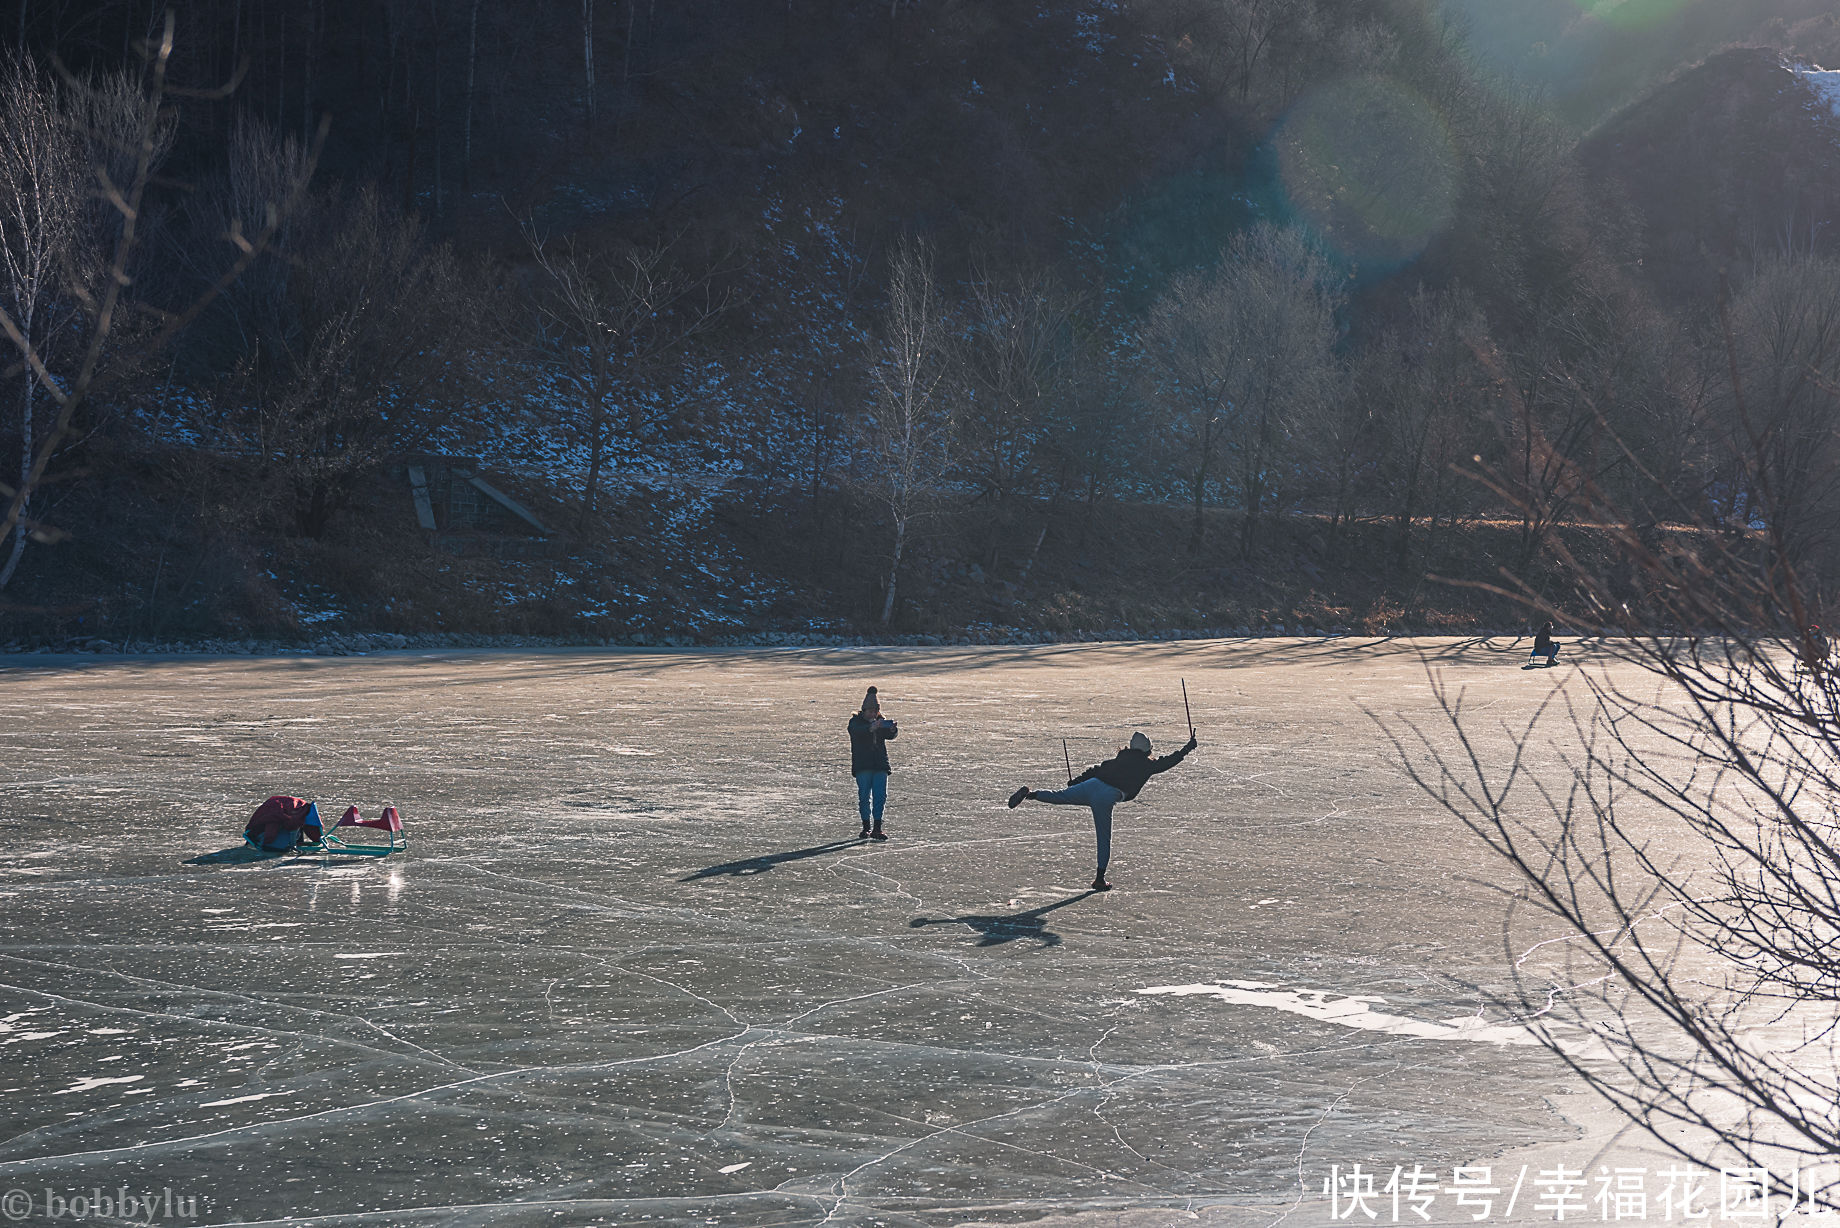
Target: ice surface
[635,965]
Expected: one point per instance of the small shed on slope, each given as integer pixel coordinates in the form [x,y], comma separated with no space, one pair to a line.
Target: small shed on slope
[460,512]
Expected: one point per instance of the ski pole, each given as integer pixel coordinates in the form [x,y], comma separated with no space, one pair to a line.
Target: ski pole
[1069,758]
[1186,710]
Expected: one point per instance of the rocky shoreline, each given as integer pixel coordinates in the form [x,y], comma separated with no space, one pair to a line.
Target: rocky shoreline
[364,643]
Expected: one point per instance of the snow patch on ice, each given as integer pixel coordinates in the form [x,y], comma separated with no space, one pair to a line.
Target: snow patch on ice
[14,1031]
[215,1104]
[1354,1011]
[92,1082]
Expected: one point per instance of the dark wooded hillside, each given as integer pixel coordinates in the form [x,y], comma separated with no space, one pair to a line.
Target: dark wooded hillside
[691,316]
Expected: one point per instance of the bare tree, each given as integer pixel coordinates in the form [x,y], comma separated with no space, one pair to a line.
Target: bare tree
[1288,368]
[259,169]
[1195,360]
[1246,351]
[354,359]
[1106,428]
[1785,373]
[1227,44]
[88,238]
[612,315]
[1547,418]
[587,57]
[64,141]
[472,64]
[908,434]
[1689,856]
[1430,387]
[1015,355]
[43,221]
[1344,447]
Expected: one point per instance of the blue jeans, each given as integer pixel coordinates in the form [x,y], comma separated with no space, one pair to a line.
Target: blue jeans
[1097,796]
[871,791]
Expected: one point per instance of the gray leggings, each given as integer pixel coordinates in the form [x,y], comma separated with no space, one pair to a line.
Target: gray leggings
[1097,796]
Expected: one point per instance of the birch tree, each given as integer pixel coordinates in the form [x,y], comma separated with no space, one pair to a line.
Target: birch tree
[909,431]
[42,223]
[121,131]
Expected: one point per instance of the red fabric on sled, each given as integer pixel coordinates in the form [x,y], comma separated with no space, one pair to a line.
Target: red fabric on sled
[280,814]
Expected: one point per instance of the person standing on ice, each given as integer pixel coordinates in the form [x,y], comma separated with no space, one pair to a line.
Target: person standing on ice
[869,735]
[1099,788]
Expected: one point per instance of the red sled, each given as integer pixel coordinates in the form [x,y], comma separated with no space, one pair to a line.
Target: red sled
[389,821]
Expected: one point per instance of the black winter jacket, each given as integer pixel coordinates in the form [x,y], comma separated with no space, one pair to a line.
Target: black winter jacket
[1129,770]
[869,745]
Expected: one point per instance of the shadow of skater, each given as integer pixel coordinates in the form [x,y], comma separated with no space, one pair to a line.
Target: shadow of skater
[310,857]
[765,862]
[998,930]
[239,855]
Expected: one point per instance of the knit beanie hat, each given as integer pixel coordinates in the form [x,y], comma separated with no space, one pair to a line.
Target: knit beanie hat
[1140,742]
[870,703]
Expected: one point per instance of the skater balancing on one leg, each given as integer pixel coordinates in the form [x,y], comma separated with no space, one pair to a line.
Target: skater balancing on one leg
[869,734]
[1099,788]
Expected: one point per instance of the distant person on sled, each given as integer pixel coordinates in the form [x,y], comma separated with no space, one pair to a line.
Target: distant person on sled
[1103,786]
[1815,651]
[1544,645]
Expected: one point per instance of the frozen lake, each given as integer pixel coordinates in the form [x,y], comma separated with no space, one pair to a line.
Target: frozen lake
[635,965]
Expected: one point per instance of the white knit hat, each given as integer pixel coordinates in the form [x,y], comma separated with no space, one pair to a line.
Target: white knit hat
[1140,742]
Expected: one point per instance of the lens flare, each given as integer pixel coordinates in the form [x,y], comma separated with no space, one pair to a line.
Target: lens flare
[1369,164]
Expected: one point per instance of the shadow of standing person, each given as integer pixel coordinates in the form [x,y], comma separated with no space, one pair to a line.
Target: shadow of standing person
[766,861]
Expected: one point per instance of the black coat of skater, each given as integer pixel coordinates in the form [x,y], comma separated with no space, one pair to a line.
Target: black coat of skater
[1103,786]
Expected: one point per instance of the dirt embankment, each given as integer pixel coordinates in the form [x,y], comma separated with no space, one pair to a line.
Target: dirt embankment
[157,560]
